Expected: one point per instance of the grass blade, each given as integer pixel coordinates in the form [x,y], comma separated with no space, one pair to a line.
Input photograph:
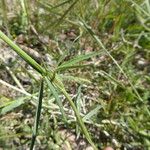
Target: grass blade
[65,13]
[79,119]
[92,113]
[61,4]
[75,79]
[140,8]
[9,106]
[22,54]
[55,94]
[95,37]
[57,82]
[5,16]
[78,99]
[76,60]
[63,68]
[37,117]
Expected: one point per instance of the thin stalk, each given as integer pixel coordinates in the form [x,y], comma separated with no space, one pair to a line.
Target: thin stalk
[23,54]
[15,88]
[38,114]
[90,31]
[5,18]
[15,78]
[58,100]
[24,16]
[12,75]
[54,78]
[61,4]
[65,13]
[79,119]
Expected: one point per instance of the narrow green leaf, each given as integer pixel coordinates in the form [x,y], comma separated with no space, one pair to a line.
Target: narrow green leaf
[65,13]
[140,8]
[78,99]
[99,42]
[61,4]
[23,54]
[92,113]
[73,67]
[76,60]
[78,105]
[37,117]
[144,133]
[132,124]
[9,106]
[55,94]
[57,82]
[79,119]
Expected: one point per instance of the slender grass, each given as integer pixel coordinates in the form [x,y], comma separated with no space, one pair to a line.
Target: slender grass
[14,88]
[90,31]
[5,18]
[110,108]
[53,78]
[71,63]
[38,114]
[22,54]
[59,102]
[80,121]
[24,16]
[15,78]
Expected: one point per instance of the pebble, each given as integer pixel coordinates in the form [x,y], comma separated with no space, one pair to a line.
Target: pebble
[108,148]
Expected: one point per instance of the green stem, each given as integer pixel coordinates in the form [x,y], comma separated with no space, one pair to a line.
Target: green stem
[37,117]
[23,54]
[79,119]
[5,18]
[56,81]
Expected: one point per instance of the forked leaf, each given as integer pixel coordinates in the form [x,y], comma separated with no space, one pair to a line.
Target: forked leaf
[77,59]
[57,82]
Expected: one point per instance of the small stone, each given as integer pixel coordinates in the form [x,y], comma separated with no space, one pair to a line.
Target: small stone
[108,148]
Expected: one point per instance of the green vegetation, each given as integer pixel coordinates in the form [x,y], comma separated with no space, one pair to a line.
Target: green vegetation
[74,74]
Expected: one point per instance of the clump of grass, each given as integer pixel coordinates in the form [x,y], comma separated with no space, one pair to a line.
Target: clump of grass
[49,77]
[101,70]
